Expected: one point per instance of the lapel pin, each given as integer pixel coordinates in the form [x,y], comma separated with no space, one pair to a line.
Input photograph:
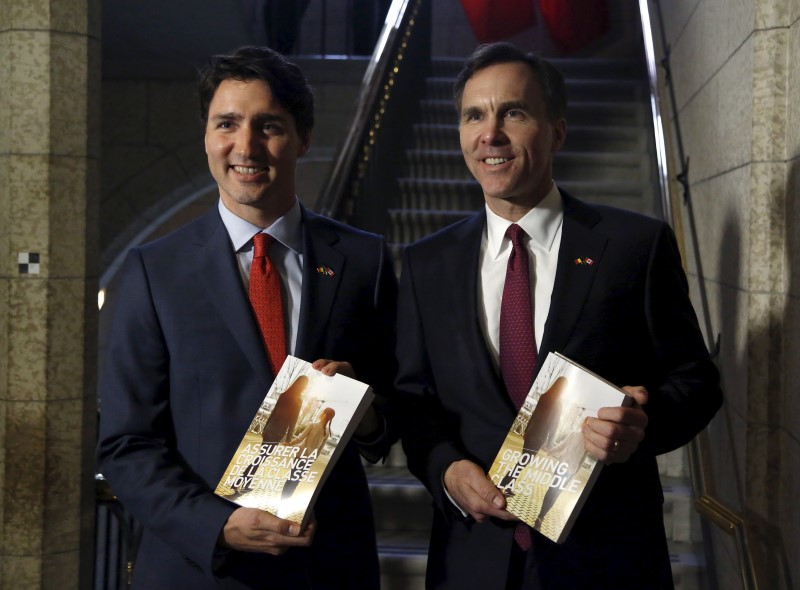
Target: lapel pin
[325,271]
[584,261]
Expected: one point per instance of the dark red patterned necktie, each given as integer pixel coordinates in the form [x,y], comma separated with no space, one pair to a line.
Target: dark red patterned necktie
[517,342]
[265,297]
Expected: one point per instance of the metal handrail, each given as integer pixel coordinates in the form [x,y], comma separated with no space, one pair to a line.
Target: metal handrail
[702,476]
[376,88]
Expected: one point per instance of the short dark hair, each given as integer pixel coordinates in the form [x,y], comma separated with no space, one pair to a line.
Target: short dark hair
[287,83]
[549,77]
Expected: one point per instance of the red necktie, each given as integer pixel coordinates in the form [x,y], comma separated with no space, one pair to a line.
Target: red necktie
[517,342]
[265,297]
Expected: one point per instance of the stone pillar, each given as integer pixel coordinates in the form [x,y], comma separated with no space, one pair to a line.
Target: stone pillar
[49,106]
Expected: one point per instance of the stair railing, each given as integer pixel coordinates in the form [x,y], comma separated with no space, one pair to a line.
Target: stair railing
[701,472]
[361,185]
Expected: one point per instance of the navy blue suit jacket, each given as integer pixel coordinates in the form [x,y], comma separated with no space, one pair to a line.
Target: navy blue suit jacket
[186,371]
[627,317]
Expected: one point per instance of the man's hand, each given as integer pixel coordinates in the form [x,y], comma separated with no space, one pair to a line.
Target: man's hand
[371,424]
[475,493]
[330,368]
[250,529]
[615,434]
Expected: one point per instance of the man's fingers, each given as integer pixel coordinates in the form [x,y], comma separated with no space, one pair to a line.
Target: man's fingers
[249,529]
[468,485]
[615,434]
[625,417]
[264,521]
[330,367]
[638,393]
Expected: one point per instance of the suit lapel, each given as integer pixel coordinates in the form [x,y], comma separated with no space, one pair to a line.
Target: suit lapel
[223,281]
[323,267]
[461,281]
[579,257]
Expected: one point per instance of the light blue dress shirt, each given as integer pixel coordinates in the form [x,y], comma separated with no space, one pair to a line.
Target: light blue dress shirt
[286,253]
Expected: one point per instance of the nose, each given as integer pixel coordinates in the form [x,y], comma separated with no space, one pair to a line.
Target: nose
[248,144]
[492,132]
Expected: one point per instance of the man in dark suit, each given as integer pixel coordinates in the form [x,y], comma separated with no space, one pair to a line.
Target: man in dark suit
[187,366]
[602,286]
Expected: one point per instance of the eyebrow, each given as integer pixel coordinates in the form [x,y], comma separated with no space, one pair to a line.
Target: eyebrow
[512,105]
[225,117]
[260,118]
[503,107]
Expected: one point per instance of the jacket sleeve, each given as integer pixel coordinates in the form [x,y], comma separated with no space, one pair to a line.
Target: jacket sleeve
[381,366]
[429,439]
[137,450]
[686,394]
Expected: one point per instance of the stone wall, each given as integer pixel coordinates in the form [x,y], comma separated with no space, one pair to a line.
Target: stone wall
[734,66]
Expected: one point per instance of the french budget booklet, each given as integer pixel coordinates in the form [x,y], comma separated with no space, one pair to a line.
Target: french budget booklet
[294,441]
[542,467]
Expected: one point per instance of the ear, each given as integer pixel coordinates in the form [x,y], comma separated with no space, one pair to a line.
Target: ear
[559,134]
[305,143]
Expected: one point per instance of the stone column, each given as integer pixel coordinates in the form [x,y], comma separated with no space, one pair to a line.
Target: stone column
[49,106]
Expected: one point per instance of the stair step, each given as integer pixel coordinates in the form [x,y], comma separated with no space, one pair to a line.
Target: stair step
[623,194]
[401,545]
[608,113]
[403,559]
[404,509]
[688,565]
[603,138]
[382,476]
[437,136]
[404,512]
[436,163]
[450,194]
[409,225]
[596,166]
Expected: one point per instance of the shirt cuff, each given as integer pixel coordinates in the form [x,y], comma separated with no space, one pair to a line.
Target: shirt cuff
[453,502]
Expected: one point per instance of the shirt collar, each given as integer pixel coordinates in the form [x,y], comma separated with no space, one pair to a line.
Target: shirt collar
[287,229]
[540,223]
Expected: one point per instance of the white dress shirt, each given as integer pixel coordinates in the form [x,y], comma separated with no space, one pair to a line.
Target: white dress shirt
[542,224]
[286,253]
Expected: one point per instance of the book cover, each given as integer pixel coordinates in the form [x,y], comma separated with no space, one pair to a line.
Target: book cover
[542,467]
[294,440]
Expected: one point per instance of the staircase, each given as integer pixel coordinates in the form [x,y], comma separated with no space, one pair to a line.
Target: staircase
[607,159]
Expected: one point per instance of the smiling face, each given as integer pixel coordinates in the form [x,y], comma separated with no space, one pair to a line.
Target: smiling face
[252,146]
[508,139]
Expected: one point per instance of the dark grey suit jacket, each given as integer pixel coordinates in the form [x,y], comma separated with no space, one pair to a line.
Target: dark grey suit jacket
[186,371]
[626,317]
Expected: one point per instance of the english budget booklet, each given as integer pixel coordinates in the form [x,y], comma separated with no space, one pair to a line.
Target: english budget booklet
[294,440]
[542,467]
